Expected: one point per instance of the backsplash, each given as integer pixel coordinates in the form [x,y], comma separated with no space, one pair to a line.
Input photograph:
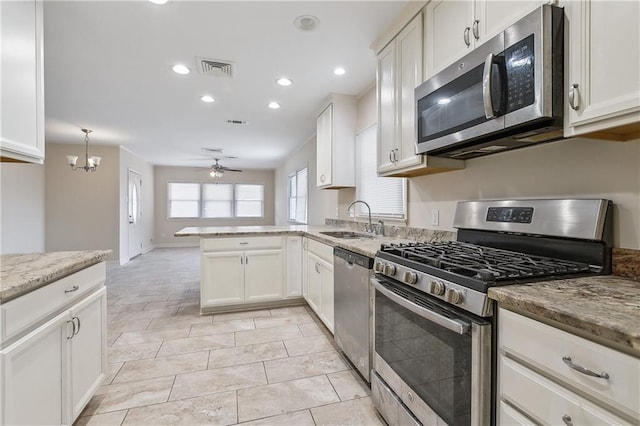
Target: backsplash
[417,234]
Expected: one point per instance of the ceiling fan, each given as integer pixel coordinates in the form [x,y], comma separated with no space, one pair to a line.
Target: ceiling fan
[217,169]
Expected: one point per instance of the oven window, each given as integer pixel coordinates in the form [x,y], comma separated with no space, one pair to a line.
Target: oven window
[434,361]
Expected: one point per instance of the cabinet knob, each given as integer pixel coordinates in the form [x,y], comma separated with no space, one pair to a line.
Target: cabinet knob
[574,97]
[466,36]
[567,420]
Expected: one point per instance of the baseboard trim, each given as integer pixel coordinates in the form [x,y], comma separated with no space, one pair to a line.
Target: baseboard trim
[208,310]
[176,245]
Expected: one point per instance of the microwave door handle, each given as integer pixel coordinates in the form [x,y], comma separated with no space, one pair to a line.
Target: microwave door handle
[486,87]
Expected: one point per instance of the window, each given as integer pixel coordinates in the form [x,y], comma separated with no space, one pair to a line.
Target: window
[215,200]
[297,190]
[386,196]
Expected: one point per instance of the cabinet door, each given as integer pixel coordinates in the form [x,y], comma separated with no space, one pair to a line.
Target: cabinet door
[293,267]
[88,349]
[33,372]
[604,63]
[263,277]
[387,109]
[493,16]
[326,295]
[21,97]
[314,282]
[324,147]
[409,45]
[445,24]
[222,279]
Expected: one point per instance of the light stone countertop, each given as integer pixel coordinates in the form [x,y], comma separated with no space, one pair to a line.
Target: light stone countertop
[23,273]
[607,306]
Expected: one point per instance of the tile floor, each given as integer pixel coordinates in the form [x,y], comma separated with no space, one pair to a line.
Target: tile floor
[169,365]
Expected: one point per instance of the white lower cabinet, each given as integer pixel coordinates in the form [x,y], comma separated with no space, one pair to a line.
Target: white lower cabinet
[319,281]
[263,277]
[294,266]
[51,373]
[222,278]
[549,376]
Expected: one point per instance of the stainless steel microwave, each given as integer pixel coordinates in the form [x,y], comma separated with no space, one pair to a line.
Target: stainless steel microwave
[505,94]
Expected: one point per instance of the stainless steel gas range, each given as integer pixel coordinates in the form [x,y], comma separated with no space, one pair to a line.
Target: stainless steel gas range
[434,340]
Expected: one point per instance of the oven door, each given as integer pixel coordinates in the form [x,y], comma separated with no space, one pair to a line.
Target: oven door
[437,360]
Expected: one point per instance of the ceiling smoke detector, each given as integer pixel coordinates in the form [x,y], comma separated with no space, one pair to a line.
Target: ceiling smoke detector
[216,67]
[306,22]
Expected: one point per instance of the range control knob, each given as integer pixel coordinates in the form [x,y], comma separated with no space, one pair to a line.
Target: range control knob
[389,270]
[437,288]
[379,267]
[453,296]
[410,277]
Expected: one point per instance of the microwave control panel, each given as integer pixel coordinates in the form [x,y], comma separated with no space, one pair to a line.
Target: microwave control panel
[519,62]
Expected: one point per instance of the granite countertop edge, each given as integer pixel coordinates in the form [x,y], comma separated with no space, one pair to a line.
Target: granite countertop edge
[24,273]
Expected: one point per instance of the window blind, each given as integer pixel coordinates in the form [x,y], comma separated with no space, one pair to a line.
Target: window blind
[217,200]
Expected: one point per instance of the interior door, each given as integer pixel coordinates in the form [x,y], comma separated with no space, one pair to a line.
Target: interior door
[134,212]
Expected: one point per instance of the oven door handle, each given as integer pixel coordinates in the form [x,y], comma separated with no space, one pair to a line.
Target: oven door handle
[454,325]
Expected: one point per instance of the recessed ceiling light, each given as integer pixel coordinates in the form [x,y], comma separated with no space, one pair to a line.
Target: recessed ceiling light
[274,105]
[181,69]
[339,71]
[306,22]
[207,98]
[284,81]
[159,1]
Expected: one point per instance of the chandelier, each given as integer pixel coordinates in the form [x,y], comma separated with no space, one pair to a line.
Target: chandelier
[90,163]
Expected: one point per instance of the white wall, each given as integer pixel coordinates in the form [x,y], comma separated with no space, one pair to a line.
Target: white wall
[129,161]
[22,208]
[165,228]
[82,209]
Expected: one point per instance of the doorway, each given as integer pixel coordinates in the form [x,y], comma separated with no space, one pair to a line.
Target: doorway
[134,212]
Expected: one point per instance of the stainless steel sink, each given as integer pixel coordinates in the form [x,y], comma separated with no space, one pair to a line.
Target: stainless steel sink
[345,234]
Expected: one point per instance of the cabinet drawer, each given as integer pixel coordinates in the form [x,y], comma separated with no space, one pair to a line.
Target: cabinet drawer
[24,312]
[544,348]
[546,401]
[323,251]
[240,243]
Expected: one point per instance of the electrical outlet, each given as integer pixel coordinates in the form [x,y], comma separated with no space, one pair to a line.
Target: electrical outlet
[435,217]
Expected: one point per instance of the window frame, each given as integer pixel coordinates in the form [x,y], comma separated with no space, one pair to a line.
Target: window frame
[295,174]
[201,186]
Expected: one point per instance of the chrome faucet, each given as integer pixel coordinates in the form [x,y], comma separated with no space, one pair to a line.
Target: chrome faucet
[367,228]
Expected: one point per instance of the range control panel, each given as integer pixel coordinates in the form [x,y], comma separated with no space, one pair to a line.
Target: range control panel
[510,214]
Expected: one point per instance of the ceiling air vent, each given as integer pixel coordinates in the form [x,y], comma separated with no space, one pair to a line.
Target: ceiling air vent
[237,122]
[216,67]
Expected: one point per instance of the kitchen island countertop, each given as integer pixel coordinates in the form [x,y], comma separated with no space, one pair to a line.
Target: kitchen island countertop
[23,273]
[606,307]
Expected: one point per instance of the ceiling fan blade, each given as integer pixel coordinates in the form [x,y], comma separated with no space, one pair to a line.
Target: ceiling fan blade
[226,169]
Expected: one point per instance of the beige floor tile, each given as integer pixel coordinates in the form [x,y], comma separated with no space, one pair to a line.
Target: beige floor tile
[164,366]
[141,315]
[289,310]
[108,419]
[297,418]
[222,327]
[179,321]
[313,329]
[349,385]
[128,395]
[132,307]
[242,315]
[246,354]
[219,380]
[280,398]
[281,370]
[185,297]
[189,309]
[153,306]
[196,344]
[112,337]
[131,352]
[309,345]
[128,325]
[127,300]
[112,370]
[267,335]
[355,412]
[145,336]
[217,409]
[283,320]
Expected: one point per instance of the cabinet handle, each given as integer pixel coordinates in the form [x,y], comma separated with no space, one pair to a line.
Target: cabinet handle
[391,156]
[466,36]
[73,332]
[583,370]
[244,243]
[574,97]
[395,156]
[72,289]
[76,330]
[241,260]
[317,267]
[476,31]
[246,260]
[567,420]
[322,178]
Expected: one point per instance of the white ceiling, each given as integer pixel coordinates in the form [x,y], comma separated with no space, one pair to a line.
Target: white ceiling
[108,68]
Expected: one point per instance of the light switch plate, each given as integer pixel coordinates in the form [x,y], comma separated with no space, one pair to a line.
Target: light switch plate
[435,217]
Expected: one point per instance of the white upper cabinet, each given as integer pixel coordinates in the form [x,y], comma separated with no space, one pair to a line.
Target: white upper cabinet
[335,136]
[22,81]
[454,28]
[399,72]
[603,76]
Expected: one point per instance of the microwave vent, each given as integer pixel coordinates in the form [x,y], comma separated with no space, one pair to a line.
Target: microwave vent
[216,67]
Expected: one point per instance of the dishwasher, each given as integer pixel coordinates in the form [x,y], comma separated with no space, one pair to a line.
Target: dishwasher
[353,301]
